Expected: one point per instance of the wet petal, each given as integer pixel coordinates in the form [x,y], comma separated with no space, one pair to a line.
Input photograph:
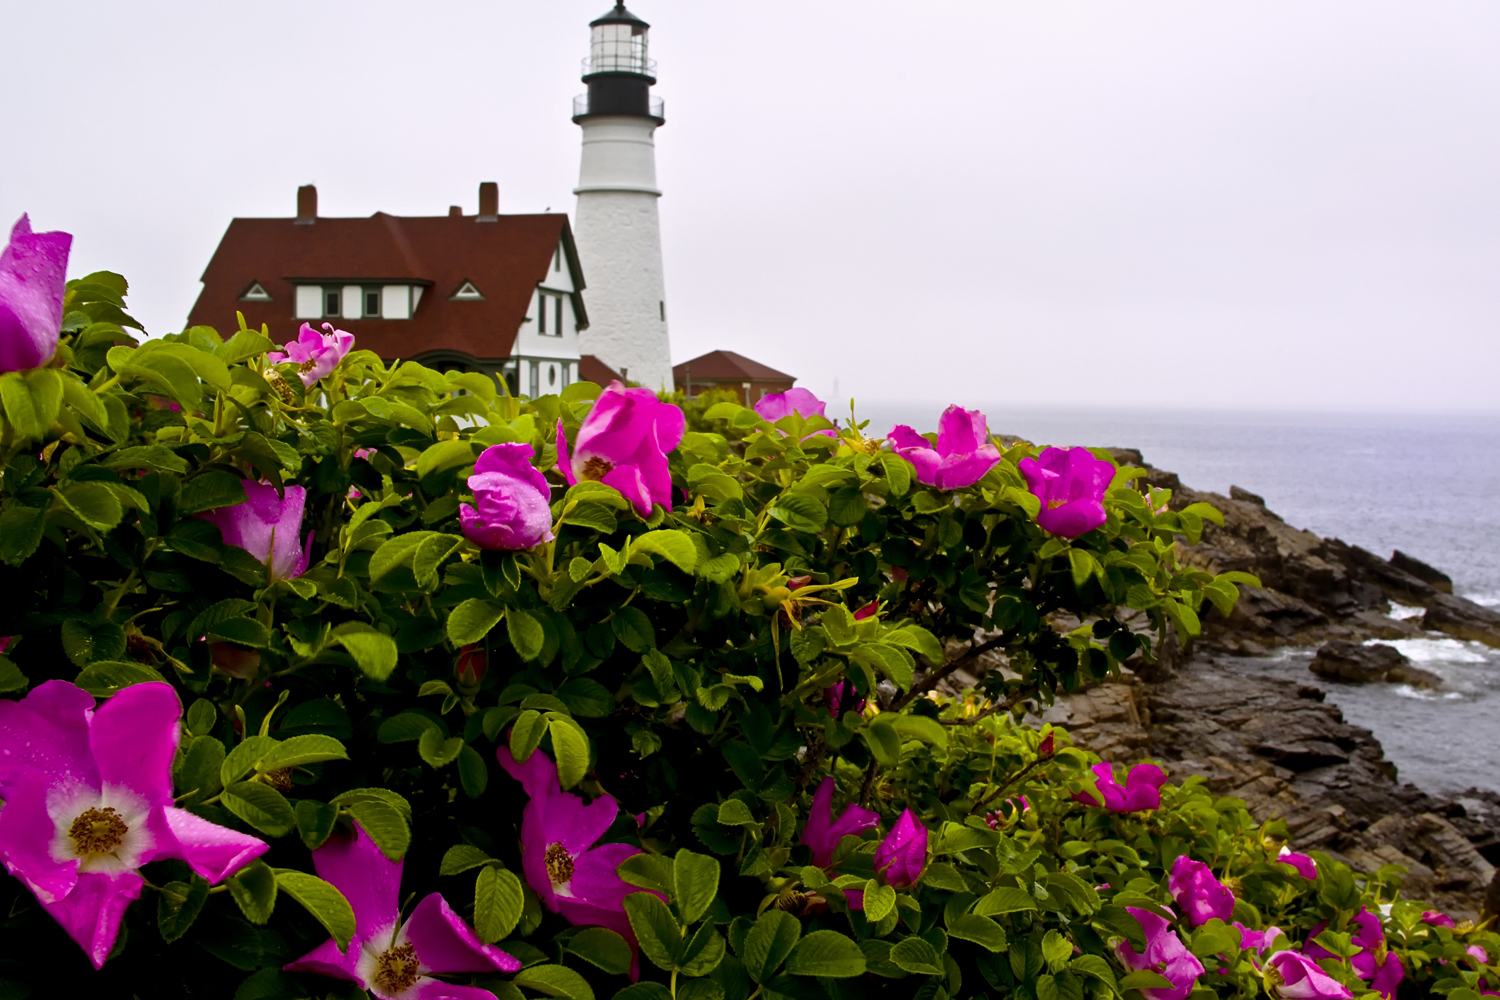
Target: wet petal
[327,960]
[577,826]
[211,850]
[446,944]
[91,912]
[134,736]
[594,875]
[26,834]
[1073,518]
[563,465]
[33,278]
[47,731]
[367,878]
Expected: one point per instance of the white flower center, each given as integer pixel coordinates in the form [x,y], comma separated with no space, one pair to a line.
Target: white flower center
[104,831]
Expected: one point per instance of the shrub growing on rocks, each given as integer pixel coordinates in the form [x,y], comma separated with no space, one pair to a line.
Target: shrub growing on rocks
[329,676]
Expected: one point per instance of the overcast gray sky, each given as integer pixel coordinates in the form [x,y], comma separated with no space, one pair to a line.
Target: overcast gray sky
[1252,205]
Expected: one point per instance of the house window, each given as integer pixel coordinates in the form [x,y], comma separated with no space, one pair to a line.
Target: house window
[309,302]
[372,302]
[557,327]
[557,258]
[331,302]
[541,312]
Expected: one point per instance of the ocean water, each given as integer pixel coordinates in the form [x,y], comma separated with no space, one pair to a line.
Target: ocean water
[1427,485]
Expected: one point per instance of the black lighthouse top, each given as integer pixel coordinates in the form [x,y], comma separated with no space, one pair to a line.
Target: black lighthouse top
[618,70]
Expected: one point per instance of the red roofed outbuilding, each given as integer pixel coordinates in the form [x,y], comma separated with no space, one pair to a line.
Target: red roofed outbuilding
[728,370]
[487,292]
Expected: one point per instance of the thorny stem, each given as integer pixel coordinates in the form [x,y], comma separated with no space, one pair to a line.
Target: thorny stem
[1002,789]
[930,679]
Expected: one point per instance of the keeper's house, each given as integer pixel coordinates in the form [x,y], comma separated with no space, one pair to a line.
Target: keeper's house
[501,294]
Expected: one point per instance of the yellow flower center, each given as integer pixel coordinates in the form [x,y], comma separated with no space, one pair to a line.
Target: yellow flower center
[559,864]
[1054,504]
[596,469]
[1234,885]
[396,969]
[280,779]
[1272,977]
[98,831]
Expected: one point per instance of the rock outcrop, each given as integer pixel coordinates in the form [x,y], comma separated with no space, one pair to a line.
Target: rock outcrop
[1342,660]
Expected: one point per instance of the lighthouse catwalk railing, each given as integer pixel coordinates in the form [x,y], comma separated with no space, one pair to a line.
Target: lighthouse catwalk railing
[581,107]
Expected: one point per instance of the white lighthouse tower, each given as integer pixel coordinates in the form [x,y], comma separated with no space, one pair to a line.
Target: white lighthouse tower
[617,228]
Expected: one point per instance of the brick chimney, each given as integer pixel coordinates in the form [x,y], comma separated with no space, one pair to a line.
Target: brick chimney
[489,202]
[307,205]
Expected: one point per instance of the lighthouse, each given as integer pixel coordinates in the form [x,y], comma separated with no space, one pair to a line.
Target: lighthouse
[618,231]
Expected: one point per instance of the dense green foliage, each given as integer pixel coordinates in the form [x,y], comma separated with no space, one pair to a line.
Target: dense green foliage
[678,663]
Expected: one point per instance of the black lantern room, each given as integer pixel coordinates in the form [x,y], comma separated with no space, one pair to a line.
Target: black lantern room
[618,71]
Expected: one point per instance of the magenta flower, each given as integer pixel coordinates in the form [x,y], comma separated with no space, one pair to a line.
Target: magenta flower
[1165,955]
[1294,976]
[88,801]
[1008,812]
[1373,961]
[1437,919]
[560,856]
[389,958]
[1253,940]
[364,453]
[316,354]
[1200,895]
[624,442]
[835,695]
[963,453]
[33,281]
[1388,975]
[267,526]
[823,832]
[799,401]
[1071,485]
[512,499]
[1306,866]
[1141,791]
[902,855]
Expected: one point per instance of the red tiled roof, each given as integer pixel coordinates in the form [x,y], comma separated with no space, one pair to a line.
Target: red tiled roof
[504,260]
[591,369]
[727,366]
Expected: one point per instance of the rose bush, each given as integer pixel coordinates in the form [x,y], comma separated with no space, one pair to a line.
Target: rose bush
[576,697]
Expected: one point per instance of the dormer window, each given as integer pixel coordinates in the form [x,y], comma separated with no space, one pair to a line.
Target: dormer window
[256,293]
[357,301]
[549,314]
[372,302]
[331,303]
[467,291]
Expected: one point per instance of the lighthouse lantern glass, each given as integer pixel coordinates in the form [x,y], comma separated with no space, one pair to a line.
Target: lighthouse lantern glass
[618,48]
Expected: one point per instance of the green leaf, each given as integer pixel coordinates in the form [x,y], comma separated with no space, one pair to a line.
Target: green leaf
[322,900]
[675,546]
[585,698]
[254,890]
[883,741]
[526,633]
[445,455]
[21,531]
[1006,899]
[800,512]
[916,956]
[472,620]
[525,734]
[436,751]
[405,727]
[555,981]
[92,503]
[703,952]
[473,771]
[981,930]
[300,750]
[374,652]
[695,882]
[634,629]
[648,871]
[84,640]
[733,812]
[768,943]
[897,472]
[571,745]
[828,954]
[655,929]
[498,902]
[1056,950]
[262,806]
[602,947]
[385,825]
[11,678]
[32,400]
[243,758]
[891,660]
[151,456]
[385,795]
[108,677]
[920,727]
[879,901]
[315,821]
[210,491]
[179,906]
[595,516]
[462,857]
[1145,979]
[1098,968]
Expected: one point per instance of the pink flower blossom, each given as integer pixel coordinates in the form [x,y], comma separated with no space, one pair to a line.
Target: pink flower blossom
[1165,955]
[624,442]
[823,832]
[560,855]
[267,526]
[1306,866]
[835,694]
[1071,485]
[316,354]
[511,500]
[1373,963]
[1253,940]
[365,453]
[865,611]
[902,855]
[1141,790]
[1437,919]
[88,801]
[794,401]
[963,454]
[1201,896]
[1478,954]
[1294,976]
[1009,811]
[392,959]
[33,281]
